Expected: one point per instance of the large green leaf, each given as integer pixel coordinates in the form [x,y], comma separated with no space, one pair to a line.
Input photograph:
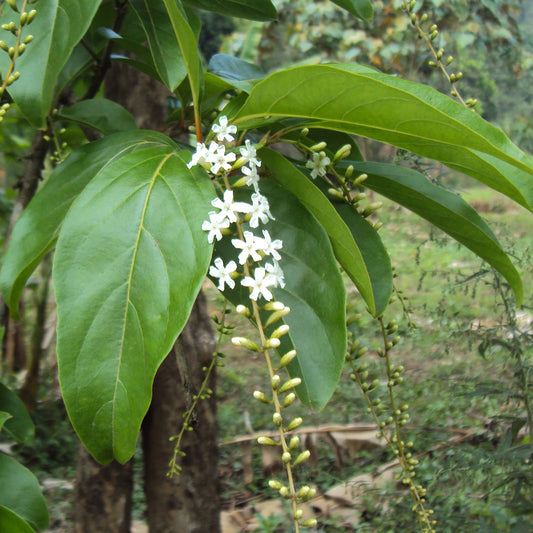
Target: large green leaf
[130,260]
[57,28]
[360,8]
[165,48]
[20,426]
[373,287]
[187,42]
[442,208]
[37,229]
[12,522]
[100,114]
[361,101]
[314,291]
[249,9]
[20,493]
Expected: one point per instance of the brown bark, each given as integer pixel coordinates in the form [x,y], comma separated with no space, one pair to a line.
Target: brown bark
[187,503]
[103,496]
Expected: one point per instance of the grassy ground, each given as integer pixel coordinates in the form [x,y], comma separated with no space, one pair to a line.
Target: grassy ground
[453,302]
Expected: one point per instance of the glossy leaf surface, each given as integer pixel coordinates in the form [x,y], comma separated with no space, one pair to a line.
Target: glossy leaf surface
[36,230]
[129,263]
[344,245]
[12,522]
[359,8]
[314,291]
[447,211]
[58,26]
[19,426]
[361,101]
[165,48]
[21,494]
[250,9]
[99,114]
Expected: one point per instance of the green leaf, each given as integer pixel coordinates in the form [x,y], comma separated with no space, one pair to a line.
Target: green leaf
[344,245]
[164,46]
[359,8]
[314,291]
[3,418]
[130,260]
[445,210]
[36,230]
[361,101]
[20,426]
[100,114]
[187,41]
[12,522]
[234,68]
[21,494]
[58,26]
[248,9]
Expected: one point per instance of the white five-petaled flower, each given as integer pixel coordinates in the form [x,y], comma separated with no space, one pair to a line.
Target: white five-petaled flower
[249,247]
[259,284]
[270,247]
[214,225]
[221,160]
[224,130]
[259,211]
[318,164]
[223,273]
[252,177]
[275,271]
[249,153]
[229,208]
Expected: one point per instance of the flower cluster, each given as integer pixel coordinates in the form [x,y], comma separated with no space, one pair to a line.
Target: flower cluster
[252,248]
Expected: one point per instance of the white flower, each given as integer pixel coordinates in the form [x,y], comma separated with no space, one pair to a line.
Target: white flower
[224,131]
[214,225]
[248,247]
[223,273]
[221,160]
[249,153]
[200,156]
[229,208]
[259,284]
[259,210]
[270,247]
[275,271]
[318,164]
[252,177]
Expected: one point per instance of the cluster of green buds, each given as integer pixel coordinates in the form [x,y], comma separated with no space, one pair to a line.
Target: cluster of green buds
[389,416]
[53,136]
[204,393]
[440,59]
[17,48]
[280,397]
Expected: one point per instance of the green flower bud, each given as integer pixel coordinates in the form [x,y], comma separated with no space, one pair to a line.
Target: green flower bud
[278,332]
[276,315]
[303,492]
[301,458]
[31,16]
[245,343]
[13,5]
[289,399]
[319,146]
[261,397]
[304,132]
[349,172]
[294,442]
[274,306]
[310,522]
[295,422]
[287,358]
[276,418]
[290,384]
[335,193]
[284,492]
[243,310]
[272,343]
[342,153]
[275,484]
[21,49]
[298,514]
[275,381]
[3,46]
[286,457]
[267,441]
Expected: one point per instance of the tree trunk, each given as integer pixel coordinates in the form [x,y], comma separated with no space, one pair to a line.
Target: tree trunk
[103,496]
[187,503]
